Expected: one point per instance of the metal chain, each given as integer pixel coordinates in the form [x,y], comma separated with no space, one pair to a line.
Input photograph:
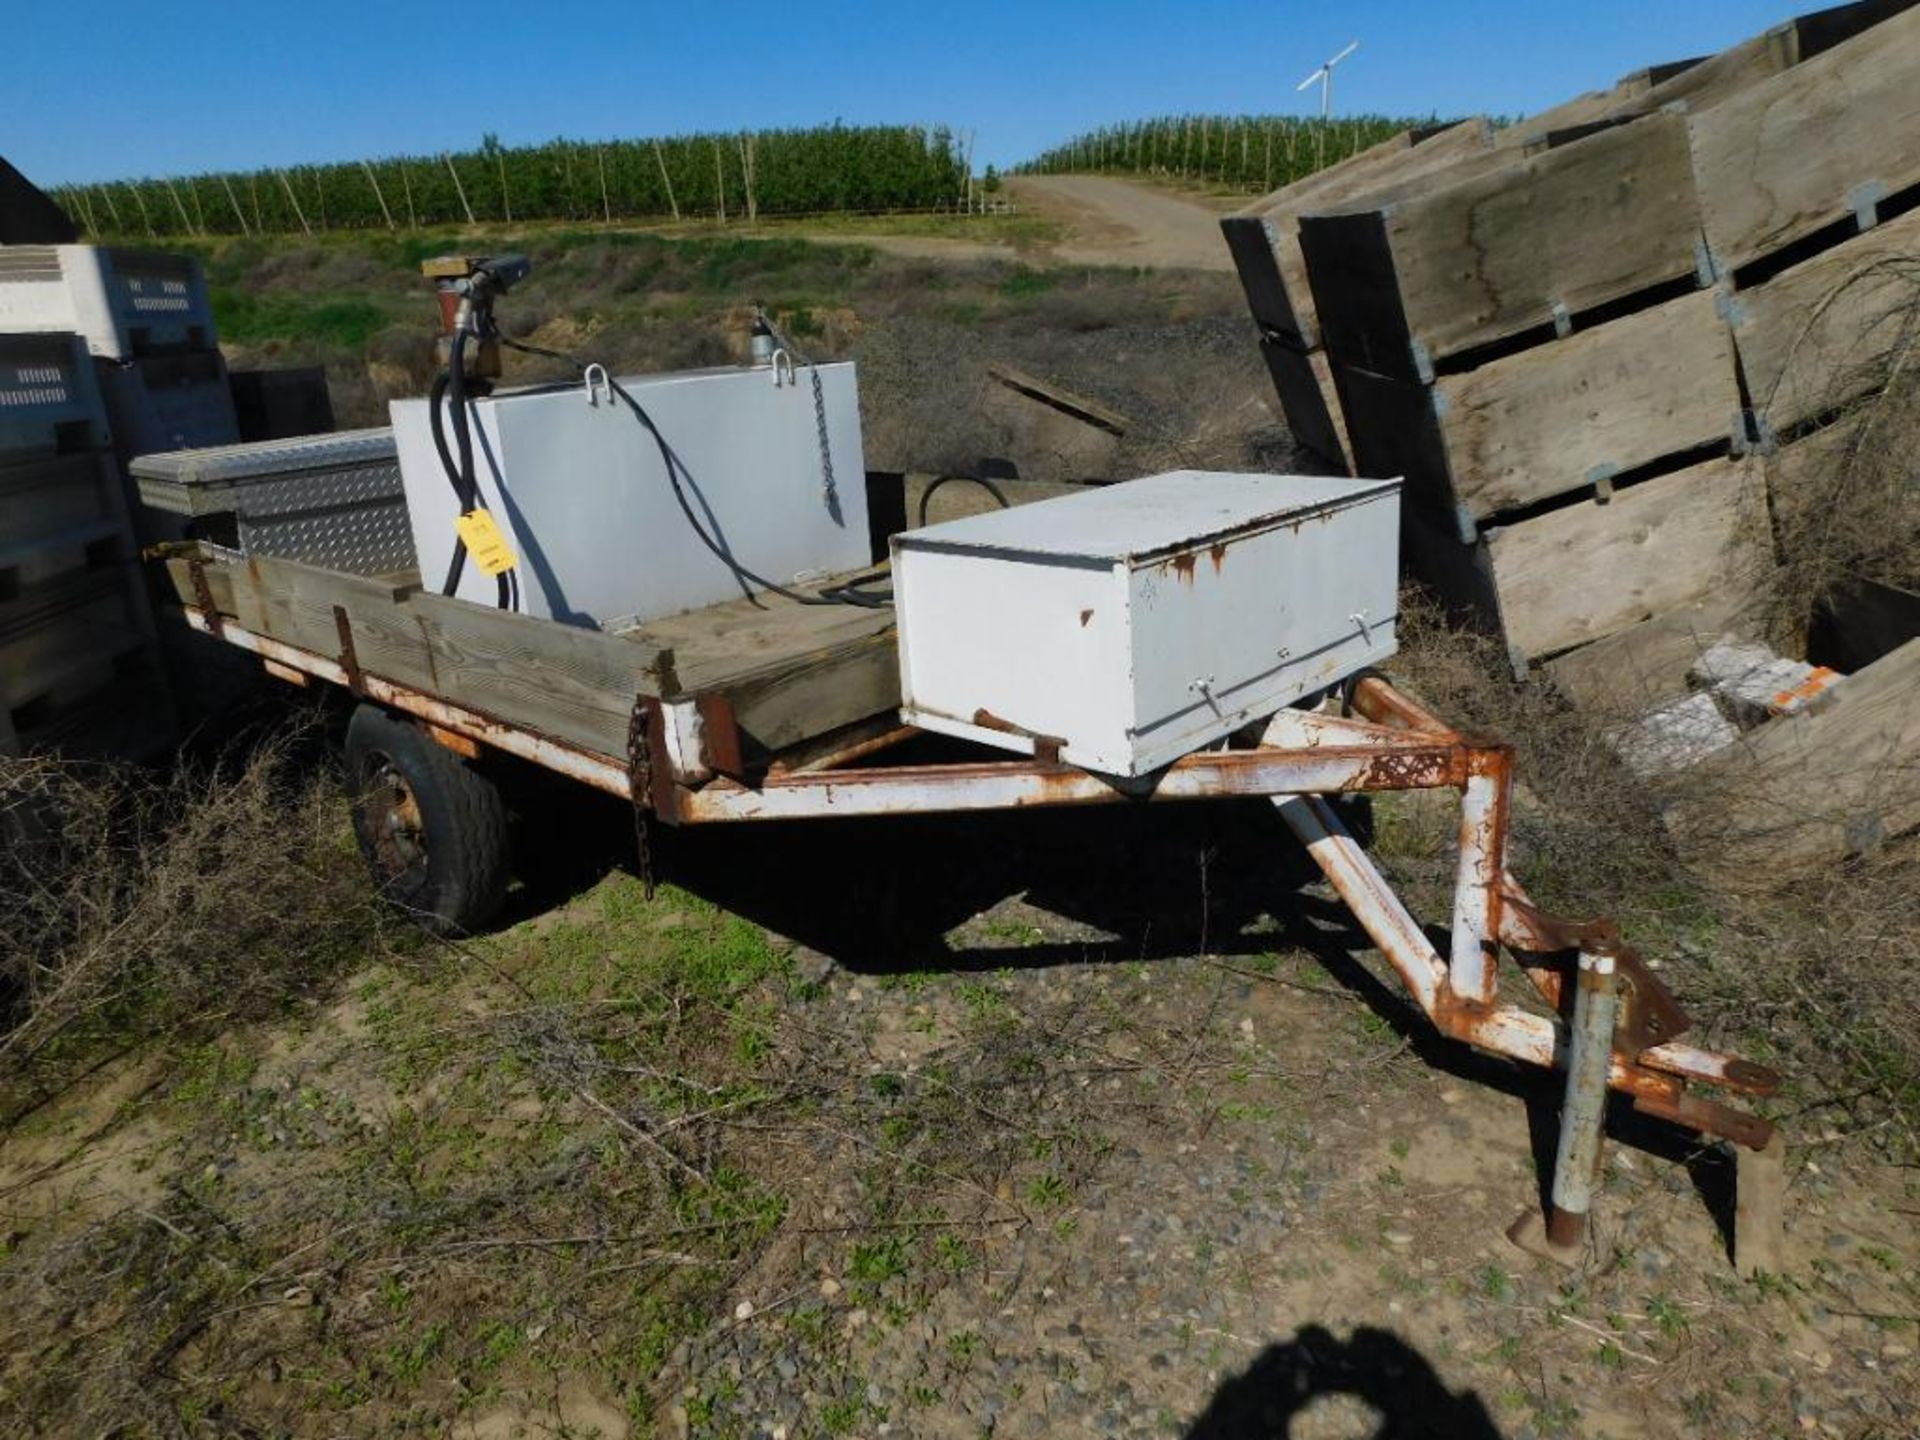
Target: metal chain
[640,789]
[829,487]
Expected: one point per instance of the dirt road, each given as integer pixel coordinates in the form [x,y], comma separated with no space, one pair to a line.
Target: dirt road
[1102,221]
[1115,222]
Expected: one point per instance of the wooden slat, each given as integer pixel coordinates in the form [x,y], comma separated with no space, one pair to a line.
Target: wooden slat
[1068,402]
[1789,155]
[1489,257]
[1637,668]
[1553,419]
[572,683]
[790,672]
[1824,332]
[1264,237]
[1815,787]
[1304,381]
[1807,478]
[1584,572]
[1617,102]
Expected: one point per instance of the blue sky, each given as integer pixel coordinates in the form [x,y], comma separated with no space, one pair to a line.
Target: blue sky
[117,88]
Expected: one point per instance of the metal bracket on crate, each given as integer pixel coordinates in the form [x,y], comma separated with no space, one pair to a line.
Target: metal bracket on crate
[1601,477]
[203,596]
[1705,269]
[1422,362]
[349,656]
[1864,201]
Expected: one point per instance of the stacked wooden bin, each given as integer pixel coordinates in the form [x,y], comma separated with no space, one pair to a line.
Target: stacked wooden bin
[1605,347]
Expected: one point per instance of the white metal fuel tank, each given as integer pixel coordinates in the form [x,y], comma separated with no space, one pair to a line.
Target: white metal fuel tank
[1137,622]
[581,491]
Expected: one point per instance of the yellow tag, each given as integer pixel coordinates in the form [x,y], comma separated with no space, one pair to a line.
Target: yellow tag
[484,542]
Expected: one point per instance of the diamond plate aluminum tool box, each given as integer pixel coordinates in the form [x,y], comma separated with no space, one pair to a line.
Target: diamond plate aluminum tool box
[1138,622]
[580,489]
[330,500]
[123,303]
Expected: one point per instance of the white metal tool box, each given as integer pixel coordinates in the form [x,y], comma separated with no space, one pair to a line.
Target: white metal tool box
[1137,622]
[580,489]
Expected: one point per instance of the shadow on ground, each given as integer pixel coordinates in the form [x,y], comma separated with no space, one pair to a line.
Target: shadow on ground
[1222,878]
[1375,1367]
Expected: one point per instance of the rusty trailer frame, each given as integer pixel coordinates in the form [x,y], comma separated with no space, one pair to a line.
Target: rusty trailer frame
[1604,1018]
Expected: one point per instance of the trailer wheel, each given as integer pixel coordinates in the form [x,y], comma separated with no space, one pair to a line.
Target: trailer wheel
[432,828]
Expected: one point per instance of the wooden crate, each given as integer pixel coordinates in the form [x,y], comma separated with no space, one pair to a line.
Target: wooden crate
[1824,332]
[1813,146]
[1405,286]
[1264,239]
[1586,571]
[1562,417]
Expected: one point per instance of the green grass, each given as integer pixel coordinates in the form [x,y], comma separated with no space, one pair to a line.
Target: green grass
[247,319]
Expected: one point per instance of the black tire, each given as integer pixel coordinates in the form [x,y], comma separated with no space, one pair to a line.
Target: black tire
[432,828]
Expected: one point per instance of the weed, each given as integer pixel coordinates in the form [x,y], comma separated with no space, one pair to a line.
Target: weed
[1493,1282]
[874,1263]
[1048,1191]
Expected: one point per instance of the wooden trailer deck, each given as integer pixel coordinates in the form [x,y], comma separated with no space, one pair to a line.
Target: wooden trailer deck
[768,678]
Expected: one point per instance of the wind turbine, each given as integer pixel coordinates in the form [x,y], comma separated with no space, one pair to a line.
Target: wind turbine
[1325,76]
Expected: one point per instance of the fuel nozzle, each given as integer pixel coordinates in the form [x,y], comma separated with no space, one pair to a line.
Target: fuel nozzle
[467,286]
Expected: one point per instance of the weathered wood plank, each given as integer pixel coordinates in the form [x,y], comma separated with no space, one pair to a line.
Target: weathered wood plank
[1557,418]
[790,672]
[1637,668]
[1304,381]
[1808,477]
[1616,102]
[1584,572]
[569,682]
[1068,402]
[1403,285]
[1810,146]
[1824,332]
[1810,789]
[1264,238]
[564,680]
[813,694]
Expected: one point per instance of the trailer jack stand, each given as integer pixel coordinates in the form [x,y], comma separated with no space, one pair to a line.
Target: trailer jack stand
[1562,1234]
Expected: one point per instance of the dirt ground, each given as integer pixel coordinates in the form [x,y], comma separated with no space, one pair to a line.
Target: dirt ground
[1106,221]
[1016,1126]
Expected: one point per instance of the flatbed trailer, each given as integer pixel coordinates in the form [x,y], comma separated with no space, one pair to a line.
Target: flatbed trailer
[752,710]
